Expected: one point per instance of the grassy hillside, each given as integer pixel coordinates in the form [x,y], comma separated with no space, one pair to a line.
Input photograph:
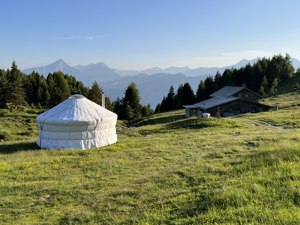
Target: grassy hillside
[166,170]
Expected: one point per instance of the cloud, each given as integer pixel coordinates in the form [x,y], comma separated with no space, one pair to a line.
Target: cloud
[83,38]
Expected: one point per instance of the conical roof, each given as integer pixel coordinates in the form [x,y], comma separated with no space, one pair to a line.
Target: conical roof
[76,110]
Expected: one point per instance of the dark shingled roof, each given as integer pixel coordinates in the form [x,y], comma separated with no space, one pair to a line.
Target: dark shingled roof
[226,91]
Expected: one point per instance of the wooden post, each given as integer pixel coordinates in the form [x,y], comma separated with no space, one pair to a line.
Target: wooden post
[103,101]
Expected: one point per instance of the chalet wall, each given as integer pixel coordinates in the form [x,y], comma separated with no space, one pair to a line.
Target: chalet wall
[192,112]
[237,107]
[245,94]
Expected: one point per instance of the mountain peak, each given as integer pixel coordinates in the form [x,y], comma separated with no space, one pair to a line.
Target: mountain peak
[60,62]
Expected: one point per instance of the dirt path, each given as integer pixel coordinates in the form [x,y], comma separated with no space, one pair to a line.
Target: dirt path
[270,125]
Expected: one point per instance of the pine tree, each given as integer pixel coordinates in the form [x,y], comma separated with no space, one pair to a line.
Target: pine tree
[163,106]
[108,104]
[117,108]
[59,88]
[274,86]
[210,86]
[264,82]
[157,108]
[131,103]
[170,100]
[201,91]
[218,80]
[262,91]
[187,95]
[3,86]
[95,93]
[178,97]
[146,110]
[15,93]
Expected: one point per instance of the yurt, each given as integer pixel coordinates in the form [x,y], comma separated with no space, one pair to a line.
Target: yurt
[76,123]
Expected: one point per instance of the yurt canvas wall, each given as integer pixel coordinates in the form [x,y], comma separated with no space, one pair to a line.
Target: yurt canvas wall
[76,123]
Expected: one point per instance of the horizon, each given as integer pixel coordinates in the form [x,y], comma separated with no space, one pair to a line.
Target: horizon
[94,63]
[138,35]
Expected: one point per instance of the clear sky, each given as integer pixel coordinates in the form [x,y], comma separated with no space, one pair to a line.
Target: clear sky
[138,34]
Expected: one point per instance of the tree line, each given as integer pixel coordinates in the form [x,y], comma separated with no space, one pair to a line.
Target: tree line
[263,77]
[18,90]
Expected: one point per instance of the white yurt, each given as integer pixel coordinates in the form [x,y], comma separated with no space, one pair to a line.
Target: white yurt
[76,123]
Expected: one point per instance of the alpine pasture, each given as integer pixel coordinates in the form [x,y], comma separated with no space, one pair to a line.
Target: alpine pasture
[165,170]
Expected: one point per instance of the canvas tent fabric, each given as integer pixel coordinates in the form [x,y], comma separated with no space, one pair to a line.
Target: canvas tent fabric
[76,123]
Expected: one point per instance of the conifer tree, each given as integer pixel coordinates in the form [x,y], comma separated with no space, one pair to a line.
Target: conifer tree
[15,93]
[170,100]
[274,86]
[163,106]
[95,93]
[187,96]
[3,86]
[59,88]
[146,110]
[131,103]
[117,108]
[201,91]
[210,86]
[108,104]
[218,80]
[157,108]
[178,97]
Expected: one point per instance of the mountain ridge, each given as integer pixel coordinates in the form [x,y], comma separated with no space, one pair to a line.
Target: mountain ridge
[153,83]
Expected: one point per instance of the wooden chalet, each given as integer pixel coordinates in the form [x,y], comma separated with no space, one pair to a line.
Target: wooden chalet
[228,101]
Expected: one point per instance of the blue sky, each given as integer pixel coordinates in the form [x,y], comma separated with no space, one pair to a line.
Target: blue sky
[138,34]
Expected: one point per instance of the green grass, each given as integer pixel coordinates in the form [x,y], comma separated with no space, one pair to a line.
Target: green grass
[165,170]
[17,126]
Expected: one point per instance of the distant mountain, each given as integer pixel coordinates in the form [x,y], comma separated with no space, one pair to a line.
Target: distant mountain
[199,71]
[152,87]
[59,65]
[205,71]
[127,72]
[153,70]
[153,83]
[96,72]
[87,74]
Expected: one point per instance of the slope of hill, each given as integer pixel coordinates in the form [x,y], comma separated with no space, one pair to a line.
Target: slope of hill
[243,169]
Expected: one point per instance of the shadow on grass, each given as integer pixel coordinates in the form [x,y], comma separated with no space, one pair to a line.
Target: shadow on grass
[160,120]
[9,148]
[198,123]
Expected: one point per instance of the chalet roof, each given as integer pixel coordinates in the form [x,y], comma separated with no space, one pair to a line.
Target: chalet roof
[220,97]
[215,101]
[226,91]
[190,106]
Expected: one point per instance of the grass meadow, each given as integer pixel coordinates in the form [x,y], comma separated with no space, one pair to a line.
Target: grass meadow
[165,170]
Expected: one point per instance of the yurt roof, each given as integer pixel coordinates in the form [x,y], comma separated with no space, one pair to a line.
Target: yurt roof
[76,110]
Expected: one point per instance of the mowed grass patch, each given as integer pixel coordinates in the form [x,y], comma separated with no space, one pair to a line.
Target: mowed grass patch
[236,170]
